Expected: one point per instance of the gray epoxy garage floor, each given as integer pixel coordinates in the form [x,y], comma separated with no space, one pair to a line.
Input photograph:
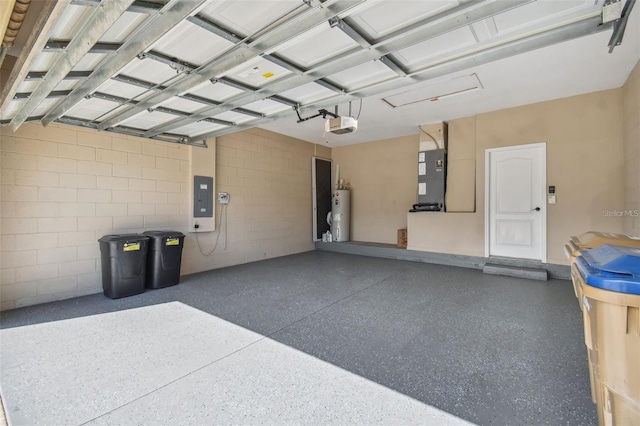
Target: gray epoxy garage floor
[485,348]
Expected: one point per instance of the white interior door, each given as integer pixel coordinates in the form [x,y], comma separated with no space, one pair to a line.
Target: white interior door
[515,201]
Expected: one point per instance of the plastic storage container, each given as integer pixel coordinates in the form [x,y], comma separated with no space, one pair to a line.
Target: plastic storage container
[610,281]
[124,264]
[165,258]
[593,239]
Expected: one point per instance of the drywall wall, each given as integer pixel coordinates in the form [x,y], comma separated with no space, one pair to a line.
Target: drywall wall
[584,161]
[383,178]
[631,136]
[64,187]
[461,166]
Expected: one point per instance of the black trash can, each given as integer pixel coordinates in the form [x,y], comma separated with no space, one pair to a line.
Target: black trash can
[165,258]
[124,264]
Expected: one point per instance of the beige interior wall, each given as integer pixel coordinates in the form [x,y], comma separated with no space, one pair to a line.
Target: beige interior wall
[461,166]
[64,187]
[631,108]
[268,179]
[584,161]
[383,177]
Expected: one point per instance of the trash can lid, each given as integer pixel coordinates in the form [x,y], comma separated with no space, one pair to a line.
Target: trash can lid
[615,258]
[163,234]
[122,237]
[611,267]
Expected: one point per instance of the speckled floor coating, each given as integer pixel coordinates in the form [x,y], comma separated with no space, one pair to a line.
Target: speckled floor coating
[173,364]
[487,349]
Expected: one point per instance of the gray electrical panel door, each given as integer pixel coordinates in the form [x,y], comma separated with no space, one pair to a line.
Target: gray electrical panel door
[432,173]
[202,196]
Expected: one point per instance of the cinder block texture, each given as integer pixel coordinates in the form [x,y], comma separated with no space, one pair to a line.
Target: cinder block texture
[65,187]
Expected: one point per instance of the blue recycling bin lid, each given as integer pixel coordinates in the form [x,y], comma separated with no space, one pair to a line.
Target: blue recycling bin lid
[611,267]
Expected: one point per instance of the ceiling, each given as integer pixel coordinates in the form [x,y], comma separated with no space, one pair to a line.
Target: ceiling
[187,70]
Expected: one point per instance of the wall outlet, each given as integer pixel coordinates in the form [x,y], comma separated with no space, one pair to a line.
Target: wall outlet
[223,198]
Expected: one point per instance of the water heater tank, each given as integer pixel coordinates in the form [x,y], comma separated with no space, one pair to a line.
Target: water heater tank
[340,215]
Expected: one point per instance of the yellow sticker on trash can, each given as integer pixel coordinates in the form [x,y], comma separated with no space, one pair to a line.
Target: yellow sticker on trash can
[131,246]
[173,242]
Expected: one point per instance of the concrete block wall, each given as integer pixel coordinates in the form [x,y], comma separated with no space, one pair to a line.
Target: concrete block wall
[62,189]
[268,179]
[631,136]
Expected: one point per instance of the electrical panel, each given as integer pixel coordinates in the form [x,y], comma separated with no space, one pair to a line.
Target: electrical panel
[432,173]
[202,196]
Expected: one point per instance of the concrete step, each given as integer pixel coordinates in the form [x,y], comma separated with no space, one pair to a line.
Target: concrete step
[516,271]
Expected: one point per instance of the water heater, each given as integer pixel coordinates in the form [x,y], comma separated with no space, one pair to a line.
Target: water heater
[340,215]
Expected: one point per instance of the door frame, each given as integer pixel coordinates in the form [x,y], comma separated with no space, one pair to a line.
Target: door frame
[314,195]
[487,194]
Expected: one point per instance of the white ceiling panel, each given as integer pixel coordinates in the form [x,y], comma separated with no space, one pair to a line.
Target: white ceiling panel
[90,109]
[234,117]
[257,72]
[12,108]
[147,120]
[296,40]
[145,95]
[485,29]
[363,75]
[437,47]
[44,61]
[542,13]
[197,128]
[45,106]
[266,106]
[149,70]
[310,92]
[89,62]
[70,22]
[215,91]
[387,17]
[28,86]
[121,89]
[128,22]
[326,43]
[182,105]
[67,84]
[115,111]
[191,43]
[246,17]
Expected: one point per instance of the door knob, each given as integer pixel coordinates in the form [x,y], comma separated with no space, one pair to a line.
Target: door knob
[536,209]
